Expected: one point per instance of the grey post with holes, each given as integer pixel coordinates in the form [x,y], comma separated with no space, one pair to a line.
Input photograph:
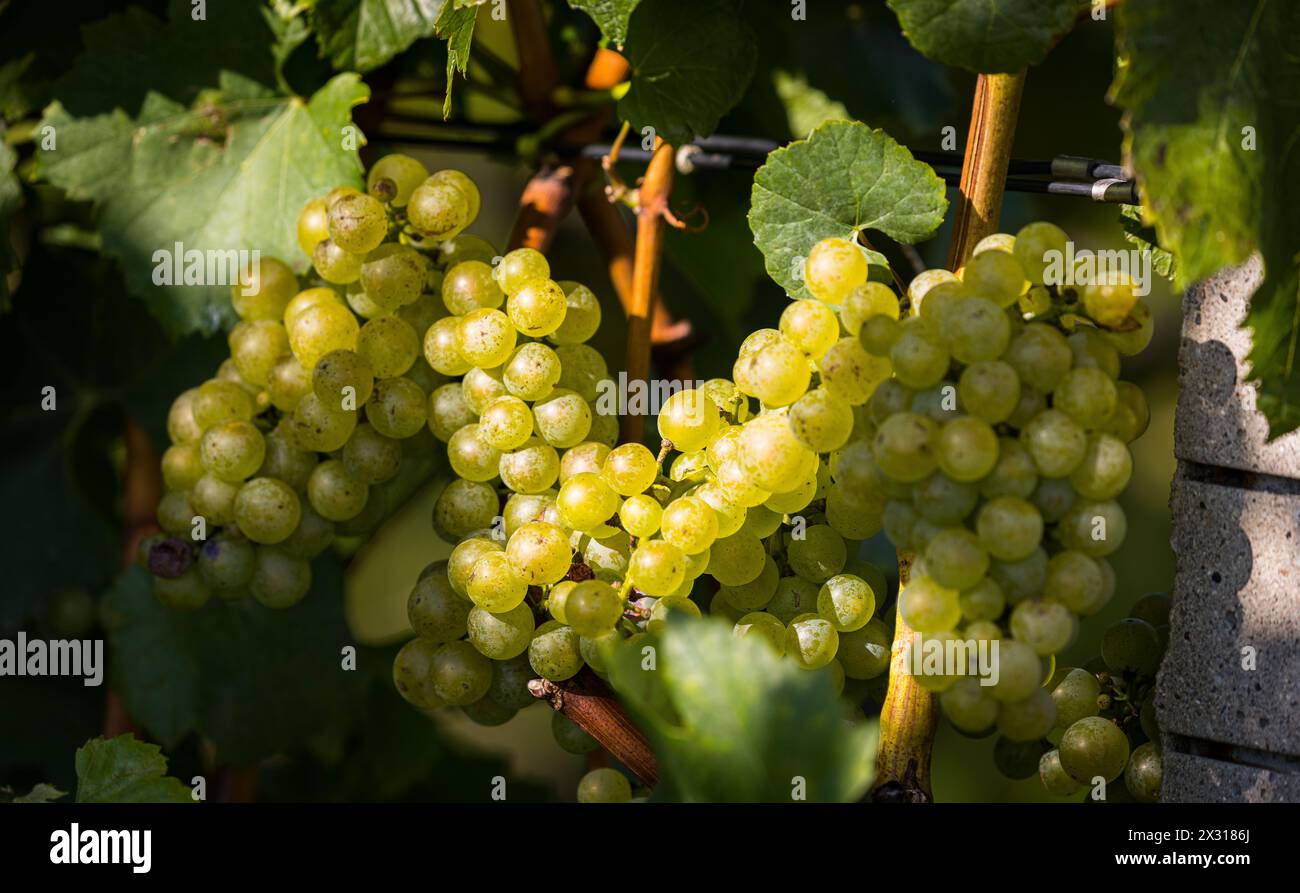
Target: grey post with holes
[1228,693]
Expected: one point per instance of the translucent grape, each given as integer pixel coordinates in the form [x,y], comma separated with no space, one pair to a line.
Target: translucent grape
[1087,395]
[821,420]
[562,418]
[554,652]
[531,371]
[537,309]
[1010,528]
[833,268]
[492,583]
[532,468]
[539,553]
[267,510]
[955,558]
[819,555]
[966,448]
[1040,355]
[777,375]
[688,419]
[501,636]
[846,602]
[763,627]
[630,469]
[1094,528]
[976,329]
[604,786]
[851,373]
[1091,747]
[928,607]
[1038,247]
[1028,719]
[586,502]
[464,507]
[1045,626]
[334,494]
[690,524]
[313,225]
[1056,443]
[771,455]
[520,267]
[810,326]
[232,451]
[989,390]
[438,210]
[658,568]
[1105,470]
[357,223]
[398,409]
[918,360]
[867,300]
[640,515]
[811,640]
[904,447]
[593,608]
[436,611]
[403,171]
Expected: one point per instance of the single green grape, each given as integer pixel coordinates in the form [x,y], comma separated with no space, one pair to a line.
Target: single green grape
[335,494]
[460,674]
[398,408]
[501,636]
[389,345]
[436,611]
[586,502]
[492,583]
[833,268]
[267,510]
[1091,747]
[604,786]
[811,640]
[554,652]
[404,172]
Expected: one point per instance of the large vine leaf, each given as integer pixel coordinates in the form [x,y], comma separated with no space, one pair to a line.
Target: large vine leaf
[1211,128]
[363,34]
[254,680]
[611,16]
[130,54]
[733,722]
[126,770]
[230,174]
[843,179]
[986,35]
[691,61]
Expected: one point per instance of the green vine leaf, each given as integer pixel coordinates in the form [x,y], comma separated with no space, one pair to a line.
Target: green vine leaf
[1144,237]
[986,35]
[1211,129]
[229,174]
[361,35]
[126,770]
[844,179]
[611,16]
[691,62]
[40,793]
[456,26]
[130,54]
[732,722]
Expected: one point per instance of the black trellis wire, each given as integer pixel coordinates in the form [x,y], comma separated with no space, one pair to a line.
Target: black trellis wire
[1070,175]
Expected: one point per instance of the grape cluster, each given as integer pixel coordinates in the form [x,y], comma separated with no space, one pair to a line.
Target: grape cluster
[316,427]
[1000,445]
[1105,723]
[568,545]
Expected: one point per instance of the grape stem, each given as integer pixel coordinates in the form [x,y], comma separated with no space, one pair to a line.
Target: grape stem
[984,166]
[590,705]
[908,720]
[654,192]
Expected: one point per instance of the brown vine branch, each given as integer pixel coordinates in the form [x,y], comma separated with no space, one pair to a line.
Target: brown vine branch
[590,705]
[655,190]
[537,72]
[984,166]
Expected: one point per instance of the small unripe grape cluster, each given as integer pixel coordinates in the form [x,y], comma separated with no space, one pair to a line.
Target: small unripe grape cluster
[1105,721]
[319,423]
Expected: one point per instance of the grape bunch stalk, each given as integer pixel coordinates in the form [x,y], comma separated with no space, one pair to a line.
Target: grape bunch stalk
[1000,447]
[315,428]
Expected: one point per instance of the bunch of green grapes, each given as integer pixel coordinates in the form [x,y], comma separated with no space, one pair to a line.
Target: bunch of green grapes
[999,449]
[319,423]
[568,545]
[1105,720]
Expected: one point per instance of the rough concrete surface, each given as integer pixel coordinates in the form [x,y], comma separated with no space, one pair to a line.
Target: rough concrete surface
[1193,779]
